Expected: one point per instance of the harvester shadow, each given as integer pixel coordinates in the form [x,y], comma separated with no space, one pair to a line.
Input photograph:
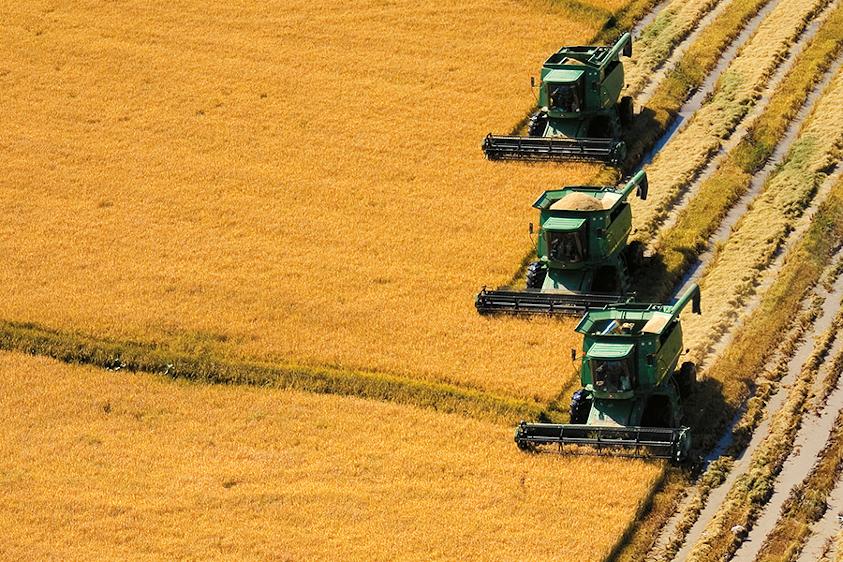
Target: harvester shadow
[642,139]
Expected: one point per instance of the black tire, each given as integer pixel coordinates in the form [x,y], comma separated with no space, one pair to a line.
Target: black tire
[580,406]
[626,111]
[536,273]
[538,124]
[635,256]
[686,378]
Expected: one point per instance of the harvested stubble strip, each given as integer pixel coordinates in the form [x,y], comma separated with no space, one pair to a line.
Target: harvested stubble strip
[753,488]
[764,228]
[718,470]
[736,368]
[688,75]
[762,333]
[806,504]
[207,368]
[653,47]
[689,237]
[735,93]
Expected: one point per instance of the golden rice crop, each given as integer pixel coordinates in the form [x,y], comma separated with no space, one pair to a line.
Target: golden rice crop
[289,180]
[738,89]
[99,464]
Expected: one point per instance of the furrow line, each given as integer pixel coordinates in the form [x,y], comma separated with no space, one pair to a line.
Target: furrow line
[725,145]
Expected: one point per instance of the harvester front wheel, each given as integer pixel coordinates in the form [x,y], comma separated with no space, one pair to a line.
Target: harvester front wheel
[580,406]
[626,111]
[536,273]
[686,378]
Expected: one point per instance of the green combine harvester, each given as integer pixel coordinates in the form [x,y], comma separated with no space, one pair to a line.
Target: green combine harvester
[632,390]
[584,258]
[580,117]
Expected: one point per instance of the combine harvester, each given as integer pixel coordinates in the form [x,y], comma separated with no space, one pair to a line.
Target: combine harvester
[580,116]
[584,259]
[632,391]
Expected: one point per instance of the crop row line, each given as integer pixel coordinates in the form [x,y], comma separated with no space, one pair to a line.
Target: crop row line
[753,488]
[681,245]
[754,342]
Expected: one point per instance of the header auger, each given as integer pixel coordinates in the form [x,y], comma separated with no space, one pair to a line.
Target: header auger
[580,117]
[631,389]
[583,256]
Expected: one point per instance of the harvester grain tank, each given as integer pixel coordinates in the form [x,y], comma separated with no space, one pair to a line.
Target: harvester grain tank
[631,388]
[584,258]
[581,115]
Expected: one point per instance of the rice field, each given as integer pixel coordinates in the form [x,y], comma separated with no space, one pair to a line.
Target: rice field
[263,225]
[286,181]
[97,464]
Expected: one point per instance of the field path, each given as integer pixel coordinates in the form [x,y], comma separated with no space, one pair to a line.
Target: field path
[824,530]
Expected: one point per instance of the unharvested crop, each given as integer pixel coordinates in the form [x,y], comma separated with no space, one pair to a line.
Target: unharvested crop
[133,465]
[287,181]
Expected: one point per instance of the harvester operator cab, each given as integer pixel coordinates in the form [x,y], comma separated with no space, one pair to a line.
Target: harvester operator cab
[566,245]
[565,97]
[612,375]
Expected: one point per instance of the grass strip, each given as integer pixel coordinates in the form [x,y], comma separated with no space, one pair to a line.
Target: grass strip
[688,238]
[206,368]
[806,504]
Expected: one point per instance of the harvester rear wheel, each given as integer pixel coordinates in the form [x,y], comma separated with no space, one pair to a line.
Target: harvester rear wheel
[536,273]
[538,124]
[580,406]
[686,378]
[635,255]
[626,111]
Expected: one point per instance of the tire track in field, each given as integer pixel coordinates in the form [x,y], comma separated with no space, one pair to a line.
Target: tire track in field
[821,542]
[662,70]
[696,101]
[774,405]
[743,127]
